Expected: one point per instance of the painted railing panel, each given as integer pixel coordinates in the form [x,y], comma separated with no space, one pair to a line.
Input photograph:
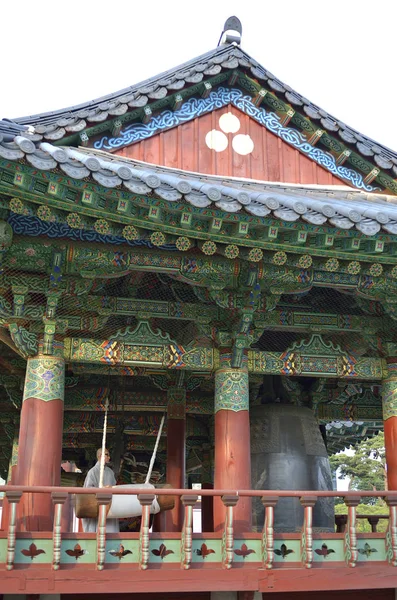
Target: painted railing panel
[225,549]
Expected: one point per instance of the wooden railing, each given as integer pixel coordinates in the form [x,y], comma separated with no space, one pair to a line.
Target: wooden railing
[263,550]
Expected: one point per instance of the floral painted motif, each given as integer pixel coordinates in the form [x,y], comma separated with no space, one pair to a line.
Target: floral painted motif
[45,214]
[393,272]
[32,551]
[332,265]
[367,550]
[209,248]
[18,207]
[76,552]
[376,270]
[255,255]
[231,390]
[74,221]
[324,551]
[102,226]
[120,553]
[232,251]
[283,551]
[354,267]
[305,261]
[244,551]
[45,379]
[162,552]
[130,233]
[204,551]
[280,258]
[183,244]
[157,238]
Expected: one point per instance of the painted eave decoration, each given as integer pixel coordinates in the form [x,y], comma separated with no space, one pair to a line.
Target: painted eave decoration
[339,207]
[224,75]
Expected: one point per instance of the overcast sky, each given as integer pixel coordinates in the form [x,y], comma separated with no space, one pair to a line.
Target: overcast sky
[340,54]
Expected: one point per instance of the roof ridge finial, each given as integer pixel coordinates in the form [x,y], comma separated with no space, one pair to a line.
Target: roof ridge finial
[232,32]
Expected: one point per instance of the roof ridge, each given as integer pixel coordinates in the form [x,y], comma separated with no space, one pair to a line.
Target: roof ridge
[72,121]
[28,119]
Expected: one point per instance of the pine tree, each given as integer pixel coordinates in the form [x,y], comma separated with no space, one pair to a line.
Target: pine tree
[366,467]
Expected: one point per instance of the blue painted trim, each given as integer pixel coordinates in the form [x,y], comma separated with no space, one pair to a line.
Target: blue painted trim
[196,107]
[33,226]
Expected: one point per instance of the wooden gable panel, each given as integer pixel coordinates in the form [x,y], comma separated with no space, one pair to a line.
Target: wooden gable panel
[184,147]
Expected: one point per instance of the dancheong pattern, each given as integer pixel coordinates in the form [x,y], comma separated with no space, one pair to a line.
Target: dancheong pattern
[389,393]
[45,379]
[231,390]
[196,107]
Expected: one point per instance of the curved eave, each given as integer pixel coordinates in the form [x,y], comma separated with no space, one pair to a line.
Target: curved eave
[53,126]
[340,208]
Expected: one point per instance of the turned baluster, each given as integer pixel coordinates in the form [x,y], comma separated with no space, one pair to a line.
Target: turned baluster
[59,500]
[104,502]
[269,502]
[146,501]
[187,531]
[13,499]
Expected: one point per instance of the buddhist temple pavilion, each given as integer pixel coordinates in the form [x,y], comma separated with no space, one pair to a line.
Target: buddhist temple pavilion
[210,246]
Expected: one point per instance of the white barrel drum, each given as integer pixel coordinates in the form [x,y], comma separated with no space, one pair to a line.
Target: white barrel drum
[124,506]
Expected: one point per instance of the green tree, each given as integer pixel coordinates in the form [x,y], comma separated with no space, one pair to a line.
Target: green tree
[365,510]
[365,467]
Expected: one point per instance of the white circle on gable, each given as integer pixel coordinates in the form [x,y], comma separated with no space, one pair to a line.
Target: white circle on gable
[216,140]
[242,144]
[229,123]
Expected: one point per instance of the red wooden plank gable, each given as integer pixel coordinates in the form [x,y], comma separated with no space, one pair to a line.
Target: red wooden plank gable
[271,159]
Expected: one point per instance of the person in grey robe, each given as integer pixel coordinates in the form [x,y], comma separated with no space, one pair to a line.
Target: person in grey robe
[92,480]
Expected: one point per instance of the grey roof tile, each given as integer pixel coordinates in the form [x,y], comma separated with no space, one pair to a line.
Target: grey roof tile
[56,124]
[341,207]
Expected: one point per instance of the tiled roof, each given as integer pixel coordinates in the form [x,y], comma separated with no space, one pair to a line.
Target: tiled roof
[55,125]
[340,207]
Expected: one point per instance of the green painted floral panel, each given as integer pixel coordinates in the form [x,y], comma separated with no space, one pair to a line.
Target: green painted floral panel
[3,551]
[122,551]
[371,550]
[286,551]
[78,551]
[33,551]
[164,551]
[204,551]
[247,551]
[328,550]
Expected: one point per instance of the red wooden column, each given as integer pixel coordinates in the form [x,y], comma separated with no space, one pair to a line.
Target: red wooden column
[232,442]
[176,452]
[11,479]
[40,439]
[389,403]
[207,502]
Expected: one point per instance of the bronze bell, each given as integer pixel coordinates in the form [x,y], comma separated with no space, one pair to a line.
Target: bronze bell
[288,453]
